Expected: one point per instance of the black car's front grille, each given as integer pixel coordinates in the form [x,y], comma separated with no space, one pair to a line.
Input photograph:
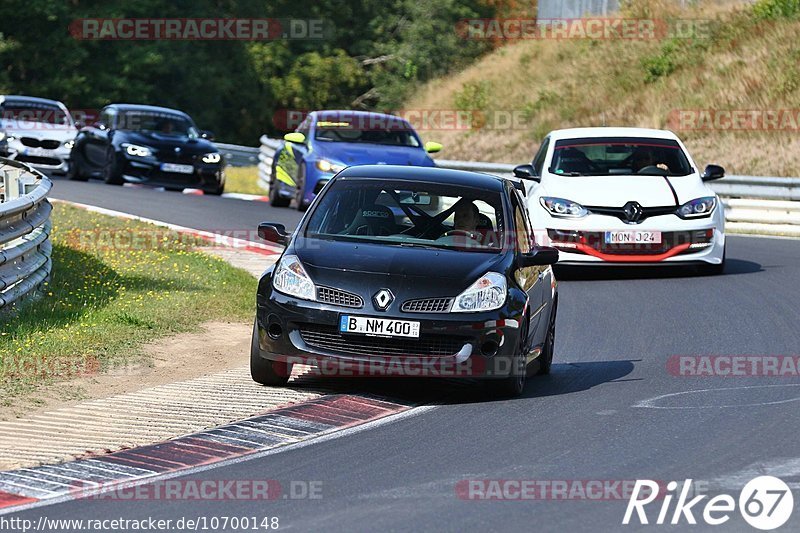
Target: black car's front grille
[169,155]
[39,143]
[427,305]
[328,338]
[329,295]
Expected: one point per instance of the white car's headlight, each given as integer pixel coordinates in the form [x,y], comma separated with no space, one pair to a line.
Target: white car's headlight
[697,208]
[2,135]
[290,278]
[212,158]
[486,294]
[136,150]
[326,166]
[69,144]
[559,207]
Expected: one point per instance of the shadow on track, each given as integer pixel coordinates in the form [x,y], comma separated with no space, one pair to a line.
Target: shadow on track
[612,272]
[565,378]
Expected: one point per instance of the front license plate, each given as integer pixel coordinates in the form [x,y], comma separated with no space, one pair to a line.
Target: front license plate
[633,237]
[179,169]
[384,327]
[40,152]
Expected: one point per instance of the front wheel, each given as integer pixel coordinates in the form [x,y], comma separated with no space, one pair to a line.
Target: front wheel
[264,371]
[713,270]
[74,172]
[513,385]
[112,173]
[275,198]
[300,194]
[546,358]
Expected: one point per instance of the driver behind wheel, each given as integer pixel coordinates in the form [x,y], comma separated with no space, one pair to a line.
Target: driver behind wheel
[466,217]
[643,158]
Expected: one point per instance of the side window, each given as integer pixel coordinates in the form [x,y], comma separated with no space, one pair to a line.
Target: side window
[521,226]
[305,127]
[538,161]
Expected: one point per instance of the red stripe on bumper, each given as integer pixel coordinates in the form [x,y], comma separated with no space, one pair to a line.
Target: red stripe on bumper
[611,258]
[10,500]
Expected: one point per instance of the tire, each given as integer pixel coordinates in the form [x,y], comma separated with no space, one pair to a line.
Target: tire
[302,206]
[74,172]
[713,270]
[546,358]
[264,371]
[217,191]
[112,174]
[275,199]
[513,385]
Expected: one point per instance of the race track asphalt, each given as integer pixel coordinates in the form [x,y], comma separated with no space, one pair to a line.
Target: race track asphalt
[611,410]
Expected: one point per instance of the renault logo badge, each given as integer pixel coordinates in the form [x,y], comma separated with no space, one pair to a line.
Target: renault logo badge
[633,212]
[383,299]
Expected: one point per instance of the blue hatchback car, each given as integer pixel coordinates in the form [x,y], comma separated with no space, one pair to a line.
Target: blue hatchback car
[329,141]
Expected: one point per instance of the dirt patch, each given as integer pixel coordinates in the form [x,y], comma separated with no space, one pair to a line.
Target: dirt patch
[217,346]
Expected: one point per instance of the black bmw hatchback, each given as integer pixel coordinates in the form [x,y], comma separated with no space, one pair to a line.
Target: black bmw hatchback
[411,272]
[147,144]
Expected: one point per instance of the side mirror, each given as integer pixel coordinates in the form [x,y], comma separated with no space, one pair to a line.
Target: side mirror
[433,147]
[295,137]
[526,172]
[208,135]
[713,172]
[79,124]
[542,255]
[100,125]
[273,232]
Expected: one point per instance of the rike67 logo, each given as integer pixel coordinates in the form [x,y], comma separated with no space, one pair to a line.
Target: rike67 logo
[765,503]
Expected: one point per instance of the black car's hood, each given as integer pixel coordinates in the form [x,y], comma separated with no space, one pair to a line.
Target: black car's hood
[371,266]
[160,141]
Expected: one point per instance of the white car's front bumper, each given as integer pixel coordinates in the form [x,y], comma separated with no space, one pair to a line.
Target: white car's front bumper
[582,241]
[56,159]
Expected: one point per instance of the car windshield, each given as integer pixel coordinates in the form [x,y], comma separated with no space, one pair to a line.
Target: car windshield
[154,122]
[367,129]
[619,155]
[31,112]
[409,213]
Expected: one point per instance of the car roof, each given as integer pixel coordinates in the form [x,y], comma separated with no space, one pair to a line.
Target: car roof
[573,133]
[143,107]
[429,174]
[31,99]
[343,113]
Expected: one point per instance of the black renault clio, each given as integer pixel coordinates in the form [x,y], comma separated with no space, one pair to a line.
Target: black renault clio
[409,271]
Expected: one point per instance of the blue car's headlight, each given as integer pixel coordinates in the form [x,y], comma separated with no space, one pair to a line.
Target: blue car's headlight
[328,166]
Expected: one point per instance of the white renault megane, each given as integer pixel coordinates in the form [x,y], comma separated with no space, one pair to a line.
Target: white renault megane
[626,196]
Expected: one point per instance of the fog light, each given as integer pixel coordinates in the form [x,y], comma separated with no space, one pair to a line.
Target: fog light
[489,348]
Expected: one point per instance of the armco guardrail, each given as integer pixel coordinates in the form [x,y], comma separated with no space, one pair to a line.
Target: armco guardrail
[754,204]
[238,156]
[24,231]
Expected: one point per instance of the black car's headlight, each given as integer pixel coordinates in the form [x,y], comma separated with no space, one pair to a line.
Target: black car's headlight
[213,157]
[697,208]
[137,150]
[559,207]
[486,294]
[290,278]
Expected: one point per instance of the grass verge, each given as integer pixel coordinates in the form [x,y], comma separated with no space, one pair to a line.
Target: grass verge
[116,284]
[242,180]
